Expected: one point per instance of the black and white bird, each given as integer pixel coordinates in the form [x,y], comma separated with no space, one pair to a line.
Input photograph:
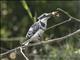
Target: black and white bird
[37,29]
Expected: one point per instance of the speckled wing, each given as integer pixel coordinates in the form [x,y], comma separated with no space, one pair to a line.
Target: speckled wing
[33,29]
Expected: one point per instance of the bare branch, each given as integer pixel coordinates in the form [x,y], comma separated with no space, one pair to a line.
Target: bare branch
[56,39]
[23,54]
[59,24]
[13,39]
[59,9]
[44,42]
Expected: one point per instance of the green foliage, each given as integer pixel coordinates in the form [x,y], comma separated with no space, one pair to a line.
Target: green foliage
[27,8]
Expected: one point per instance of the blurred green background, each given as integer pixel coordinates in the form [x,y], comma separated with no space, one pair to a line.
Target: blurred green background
[17,16]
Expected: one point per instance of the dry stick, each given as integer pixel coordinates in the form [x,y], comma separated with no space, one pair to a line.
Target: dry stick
[59,9]
[59,24]
[23,54]
[13,39]
[56,39]
[44,42]
[70,18]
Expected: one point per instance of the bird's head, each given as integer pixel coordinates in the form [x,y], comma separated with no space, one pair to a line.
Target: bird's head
[44,17]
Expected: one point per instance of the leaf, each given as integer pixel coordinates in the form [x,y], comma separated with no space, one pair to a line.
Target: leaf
[25,5]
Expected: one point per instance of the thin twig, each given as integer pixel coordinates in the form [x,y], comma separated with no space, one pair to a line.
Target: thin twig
[44,42]
[59,9]
[13,39]
[23,54]
[56,39]
[59,24]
